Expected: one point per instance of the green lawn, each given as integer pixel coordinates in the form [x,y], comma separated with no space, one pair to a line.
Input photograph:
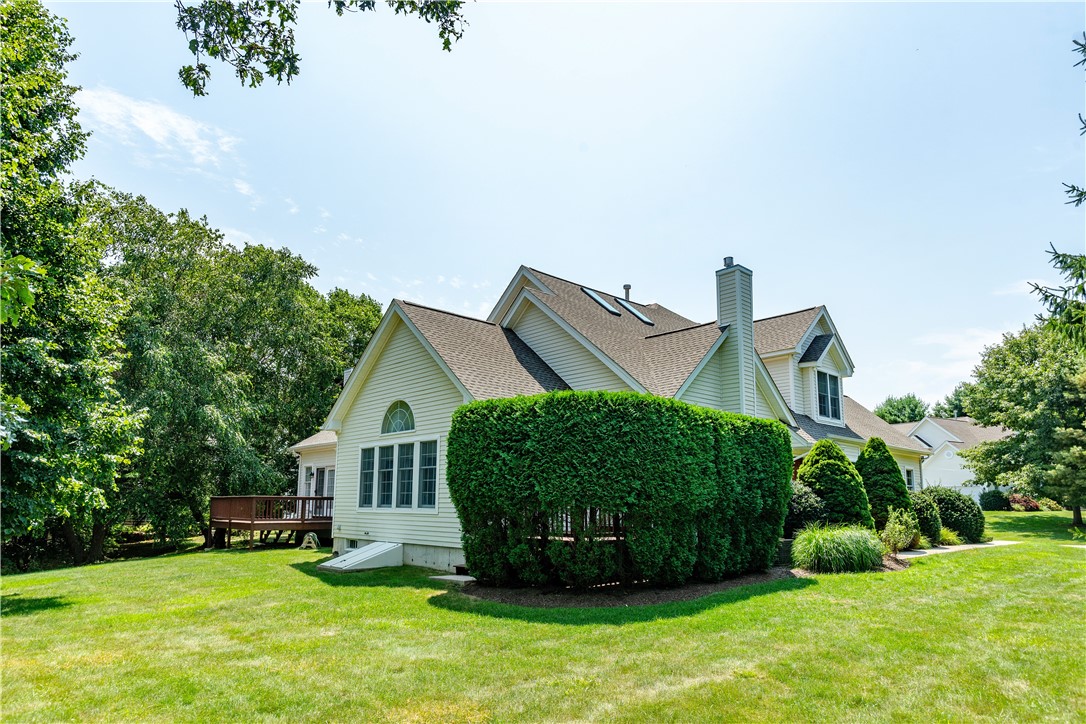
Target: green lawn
[985,634]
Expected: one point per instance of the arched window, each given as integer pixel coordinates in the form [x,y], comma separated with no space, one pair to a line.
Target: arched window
[398,418]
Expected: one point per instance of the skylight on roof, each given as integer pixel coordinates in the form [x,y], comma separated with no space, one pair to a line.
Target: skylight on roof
[635,311]
[600,301]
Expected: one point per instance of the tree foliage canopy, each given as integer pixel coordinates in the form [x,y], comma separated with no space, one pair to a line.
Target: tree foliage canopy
[256,37]
[953,405]
[1028,385]
[907,408]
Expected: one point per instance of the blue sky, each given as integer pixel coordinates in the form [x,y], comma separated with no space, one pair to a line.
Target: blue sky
[901,163]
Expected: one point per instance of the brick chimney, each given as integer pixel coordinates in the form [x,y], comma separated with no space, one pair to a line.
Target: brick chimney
[735,310]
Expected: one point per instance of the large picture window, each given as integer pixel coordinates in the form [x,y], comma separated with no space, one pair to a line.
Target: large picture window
[402,475]
[829,396]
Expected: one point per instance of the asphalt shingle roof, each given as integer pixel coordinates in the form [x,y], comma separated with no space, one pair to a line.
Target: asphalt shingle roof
[784,331]
[324,437]
[860,424]
[815,349]
[969,432]
[488,360]
[659,357]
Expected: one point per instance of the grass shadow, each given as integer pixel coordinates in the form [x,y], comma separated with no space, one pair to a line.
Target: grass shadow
[617,615]
[16,604]
[392,577]
[1050,526]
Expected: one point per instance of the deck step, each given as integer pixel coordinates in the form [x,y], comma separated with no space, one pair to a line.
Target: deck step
[374,555]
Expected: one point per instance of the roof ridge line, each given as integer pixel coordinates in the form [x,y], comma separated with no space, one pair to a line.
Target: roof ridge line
[789,314]
[684,329]
[598,291]
[444,311]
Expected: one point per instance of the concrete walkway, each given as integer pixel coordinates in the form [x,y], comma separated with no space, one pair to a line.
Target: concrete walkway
[955,549]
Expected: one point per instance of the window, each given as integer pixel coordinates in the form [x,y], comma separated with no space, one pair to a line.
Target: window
[318,489]
[388,475]
[352,543]
[365,479]
[428,474]
[330,482]
[398,418]
[384,476]
[829,396]
[308,481]
[909,478]
[405,470]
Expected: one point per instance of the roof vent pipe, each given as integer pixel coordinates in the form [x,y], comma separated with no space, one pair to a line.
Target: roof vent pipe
[626,288]
[728,262]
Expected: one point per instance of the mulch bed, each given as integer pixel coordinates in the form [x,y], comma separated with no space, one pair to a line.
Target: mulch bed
[639,594]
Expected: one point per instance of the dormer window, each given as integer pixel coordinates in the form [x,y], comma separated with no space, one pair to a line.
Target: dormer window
[829,396]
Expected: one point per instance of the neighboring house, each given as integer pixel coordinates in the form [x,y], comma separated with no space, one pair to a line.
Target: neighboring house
[392,418]
[946,437]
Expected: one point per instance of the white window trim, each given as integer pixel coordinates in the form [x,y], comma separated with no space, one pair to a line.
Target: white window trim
[386,441]
[817,415]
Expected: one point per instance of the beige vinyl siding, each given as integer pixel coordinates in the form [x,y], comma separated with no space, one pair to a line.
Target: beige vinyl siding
[781,370]
[570,359]
[707,387]
[734,305]
[321,457]
[762,408]
[749,391]
[404,371]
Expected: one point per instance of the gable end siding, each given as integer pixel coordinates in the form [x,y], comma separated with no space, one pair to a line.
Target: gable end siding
[569,359]
[404,371]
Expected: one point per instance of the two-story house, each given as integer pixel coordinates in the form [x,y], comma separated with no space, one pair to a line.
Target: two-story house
[546,333]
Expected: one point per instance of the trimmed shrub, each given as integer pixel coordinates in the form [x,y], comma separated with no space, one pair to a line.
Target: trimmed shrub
[1022,503]
[958,512]
[580,488]
[837,549]
[927,516]
[948,537]
[1049,504]
[900,532]
[883,482]
[804,508]
[994,499]
[829,473]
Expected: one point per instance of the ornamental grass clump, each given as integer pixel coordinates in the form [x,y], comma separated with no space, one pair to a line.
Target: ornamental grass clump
[837,549]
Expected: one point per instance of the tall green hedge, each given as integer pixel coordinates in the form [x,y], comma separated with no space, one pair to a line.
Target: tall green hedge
[831,475]
[883,482]
[542,484]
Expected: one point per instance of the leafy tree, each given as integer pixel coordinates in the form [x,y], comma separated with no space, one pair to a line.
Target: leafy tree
[1066,304]
[1028,385]
[1066,480]
[953,405]
[68,428]
[233,354]
[831,475]
[907,408]
[256,37]
[882,480]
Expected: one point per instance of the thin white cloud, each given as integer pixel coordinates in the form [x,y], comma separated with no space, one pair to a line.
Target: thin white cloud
[343,237]
[292,207]
[325,213]
[246,189]
[440,279]
[319,229]
[238,238]
[456,282]
[371,277]
[174,135]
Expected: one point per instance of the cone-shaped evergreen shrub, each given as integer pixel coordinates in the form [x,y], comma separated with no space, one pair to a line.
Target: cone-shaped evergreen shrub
[883,483]
[828,472]
[927,517]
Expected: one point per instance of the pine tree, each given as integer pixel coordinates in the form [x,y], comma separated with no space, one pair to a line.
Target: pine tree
[882,480]
[829,473]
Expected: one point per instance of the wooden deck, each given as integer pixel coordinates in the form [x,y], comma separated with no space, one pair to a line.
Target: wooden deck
[292,514]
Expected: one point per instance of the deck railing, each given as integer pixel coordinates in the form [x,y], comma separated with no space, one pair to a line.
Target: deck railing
[292,508]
